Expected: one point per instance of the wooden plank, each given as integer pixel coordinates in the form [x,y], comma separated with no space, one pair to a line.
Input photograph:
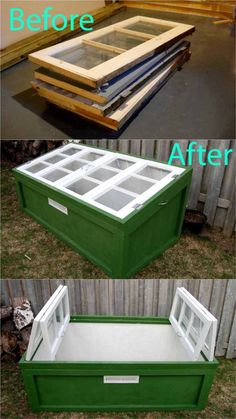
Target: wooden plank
[226,319]
[213,192]
[135,34]
[19,51]
[106,305]
[201,5]
[196,180]
[230,217]
[221,202]
[176,9]
[65,83]
[205,290]
[119,297]
[116,119]
[123,146]
[46,290]
[133,297]
[148,148]
[104,47]
[217,297]
[5,295]
[231,350]
[165,297]
[72,295]
[15,289]
[163,150]
[109,69]
[141,283]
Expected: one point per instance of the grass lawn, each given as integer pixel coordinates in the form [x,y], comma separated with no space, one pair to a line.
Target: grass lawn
[221,403]
[30,251]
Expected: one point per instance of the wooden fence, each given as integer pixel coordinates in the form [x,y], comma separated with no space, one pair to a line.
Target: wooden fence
[151,297]
[213,187]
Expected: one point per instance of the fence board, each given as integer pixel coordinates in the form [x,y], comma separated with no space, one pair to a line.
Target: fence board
[231,350]
[136,298]
[212,188]
[225,326]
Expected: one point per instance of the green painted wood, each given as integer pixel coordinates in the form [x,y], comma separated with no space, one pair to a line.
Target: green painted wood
[78,386]
[119,246]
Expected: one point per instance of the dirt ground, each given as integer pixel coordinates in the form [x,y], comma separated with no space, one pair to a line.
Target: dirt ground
[30,251]
[221,403]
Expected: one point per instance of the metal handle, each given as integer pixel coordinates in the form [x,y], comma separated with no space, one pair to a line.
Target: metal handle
[163,203]
[121,379]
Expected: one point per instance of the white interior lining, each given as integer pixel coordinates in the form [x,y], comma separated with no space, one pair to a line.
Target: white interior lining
[119,342]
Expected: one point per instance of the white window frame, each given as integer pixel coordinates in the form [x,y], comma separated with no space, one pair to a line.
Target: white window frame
[40,329]
[102,187]
[209,322]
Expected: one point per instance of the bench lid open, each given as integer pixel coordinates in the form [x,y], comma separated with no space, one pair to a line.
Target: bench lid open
[192,322]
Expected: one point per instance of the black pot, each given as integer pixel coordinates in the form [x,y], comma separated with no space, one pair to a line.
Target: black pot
[194,220]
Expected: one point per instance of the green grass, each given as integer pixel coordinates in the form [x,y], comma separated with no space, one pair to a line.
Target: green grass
[209,255]
[221,403]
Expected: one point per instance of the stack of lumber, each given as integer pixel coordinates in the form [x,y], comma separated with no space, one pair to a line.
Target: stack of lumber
[217,9]
[19,51]
[106,76]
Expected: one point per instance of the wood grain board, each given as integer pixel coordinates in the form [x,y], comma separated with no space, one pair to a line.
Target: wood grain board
[216,9]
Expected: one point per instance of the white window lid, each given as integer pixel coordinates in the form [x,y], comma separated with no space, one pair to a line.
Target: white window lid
[116,183]
[50,324]
[194,324]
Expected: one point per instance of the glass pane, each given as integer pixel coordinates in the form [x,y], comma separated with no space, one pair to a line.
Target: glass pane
[135,185]
[178,308]
[153,172]
[91,156]
[115,199]
[147,27]
[55,159]
[102,174]
[71,151]
[74,165]
[121,164]
[55,175]
[36,167]
[51,330]
[119,40]
[85,56]
[82,186]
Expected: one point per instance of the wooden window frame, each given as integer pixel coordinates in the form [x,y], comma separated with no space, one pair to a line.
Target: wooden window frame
[125,59]
[207,337]
[40,329]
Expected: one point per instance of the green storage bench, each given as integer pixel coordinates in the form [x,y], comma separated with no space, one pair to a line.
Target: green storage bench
[117,210]
[98,363]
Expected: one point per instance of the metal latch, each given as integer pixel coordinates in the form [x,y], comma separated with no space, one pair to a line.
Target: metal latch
[137,206]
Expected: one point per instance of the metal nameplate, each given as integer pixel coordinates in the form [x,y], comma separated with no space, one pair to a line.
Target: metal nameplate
[58,206]
[121,379]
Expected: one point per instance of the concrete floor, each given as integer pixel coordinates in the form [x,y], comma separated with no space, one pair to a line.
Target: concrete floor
[197,102]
